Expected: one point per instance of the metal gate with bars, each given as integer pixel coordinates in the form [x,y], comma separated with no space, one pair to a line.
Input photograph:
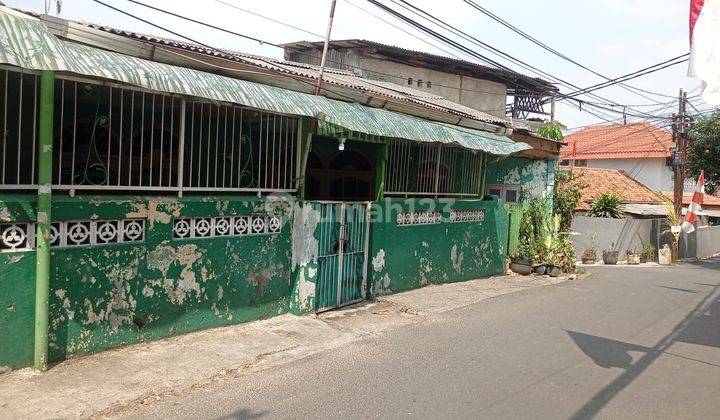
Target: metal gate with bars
[343,234]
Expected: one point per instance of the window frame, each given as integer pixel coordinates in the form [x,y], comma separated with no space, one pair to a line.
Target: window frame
[504,188]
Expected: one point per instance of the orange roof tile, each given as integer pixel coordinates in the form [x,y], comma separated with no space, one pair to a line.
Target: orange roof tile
[601,181]
[709,201]
[637,140]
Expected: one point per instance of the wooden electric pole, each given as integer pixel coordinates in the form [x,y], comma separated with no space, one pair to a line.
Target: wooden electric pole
[325,47]
[680,128]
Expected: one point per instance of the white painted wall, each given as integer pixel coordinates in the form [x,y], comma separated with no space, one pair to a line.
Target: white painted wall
[651,172]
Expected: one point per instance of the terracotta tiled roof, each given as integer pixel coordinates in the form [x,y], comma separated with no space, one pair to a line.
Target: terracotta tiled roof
[601,181]
[709,201]
[638,140]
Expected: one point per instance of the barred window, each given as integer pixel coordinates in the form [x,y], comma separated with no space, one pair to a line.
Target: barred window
[432,169]
[18,121]
[111,137]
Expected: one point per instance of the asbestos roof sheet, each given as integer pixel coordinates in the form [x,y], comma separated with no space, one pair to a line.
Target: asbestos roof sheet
[331,76]
[639,140]
[25,42]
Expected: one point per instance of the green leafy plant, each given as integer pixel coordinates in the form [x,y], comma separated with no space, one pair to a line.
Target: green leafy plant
[649,252]
[532,237]
[607,205]
[703,151]
[551,131]
[568,193]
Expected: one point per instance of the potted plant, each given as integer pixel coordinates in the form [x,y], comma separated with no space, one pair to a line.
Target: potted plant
[633,258]
[521,262]
[610,255]
[648,254]
[589,256]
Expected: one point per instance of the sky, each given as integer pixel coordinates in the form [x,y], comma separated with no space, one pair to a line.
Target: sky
[612,37]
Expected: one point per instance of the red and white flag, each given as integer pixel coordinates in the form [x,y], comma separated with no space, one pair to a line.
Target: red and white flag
[695,206]
[705,47]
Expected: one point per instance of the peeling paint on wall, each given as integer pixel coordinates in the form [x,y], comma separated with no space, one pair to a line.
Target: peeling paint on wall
[5,215]
[110,295]
[378,261]
[304,243]
[150,211]
[437,253]
[456,259]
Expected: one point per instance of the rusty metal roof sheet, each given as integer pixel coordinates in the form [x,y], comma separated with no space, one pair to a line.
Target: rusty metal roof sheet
[26,42]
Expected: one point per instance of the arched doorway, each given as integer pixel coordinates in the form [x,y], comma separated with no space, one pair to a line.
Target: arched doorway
[348,176]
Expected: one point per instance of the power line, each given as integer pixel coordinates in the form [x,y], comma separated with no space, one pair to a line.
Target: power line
[261,41]
[297,78]
[556,52]
[268,18]
[258,40]
[441,23]
[642,72]
[224,30]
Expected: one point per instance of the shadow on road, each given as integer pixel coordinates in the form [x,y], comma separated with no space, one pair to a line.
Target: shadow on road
[679,289]
[605,352]
[242,414]
[700,326]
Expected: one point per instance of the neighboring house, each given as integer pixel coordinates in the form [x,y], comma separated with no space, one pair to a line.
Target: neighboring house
[473,85]
[710,206]
[641,150]
[645,221]
[638,199]
[185,187]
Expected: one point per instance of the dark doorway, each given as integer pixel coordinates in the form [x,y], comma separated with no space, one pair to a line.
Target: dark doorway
[346,175]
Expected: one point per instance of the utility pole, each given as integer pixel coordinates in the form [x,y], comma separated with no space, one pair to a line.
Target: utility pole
[680,129]
[325,47]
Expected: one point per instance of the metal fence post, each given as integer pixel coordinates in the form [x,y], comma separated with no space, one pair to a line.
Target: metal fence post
[381,169]
[483,174]
[42,252]
[181,150]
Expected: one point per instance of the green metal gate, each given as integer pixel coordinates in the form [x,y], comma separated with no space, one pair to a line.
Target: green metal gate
[515,214]
[343,234]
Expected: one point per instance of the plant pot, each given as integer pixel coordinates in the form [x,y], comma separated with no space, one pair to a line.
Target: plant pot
[633,259]
[588,260]
[554,271]
[610,258]
[540,269]
[643,259]
[523,267]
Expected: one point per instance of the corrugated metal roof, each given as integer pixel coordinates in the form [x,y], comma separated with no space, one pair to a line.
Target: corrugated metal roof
[332,76]
[27,43]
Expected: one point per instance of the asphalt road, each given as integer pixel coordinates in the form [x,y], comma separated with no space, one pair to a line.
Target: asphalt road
[622,343]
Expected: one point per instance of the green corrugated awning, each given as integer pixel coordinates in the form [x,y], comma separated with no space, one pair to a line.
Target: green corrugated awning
[25,42]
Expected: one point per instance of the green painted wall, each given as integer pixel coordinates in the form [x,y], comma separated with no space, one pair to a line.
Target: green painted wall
[536,176]
[111,295]
[407,257]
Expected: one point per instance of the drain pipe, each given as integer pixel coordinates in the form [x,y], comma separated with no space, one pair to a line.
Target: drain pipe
[42,233]
[325,47]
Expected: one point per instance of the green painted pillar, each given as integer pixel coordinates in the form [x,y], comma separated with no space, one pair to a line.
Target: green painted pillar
[307,126]
[42,241]
[380,173]
[483,174]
